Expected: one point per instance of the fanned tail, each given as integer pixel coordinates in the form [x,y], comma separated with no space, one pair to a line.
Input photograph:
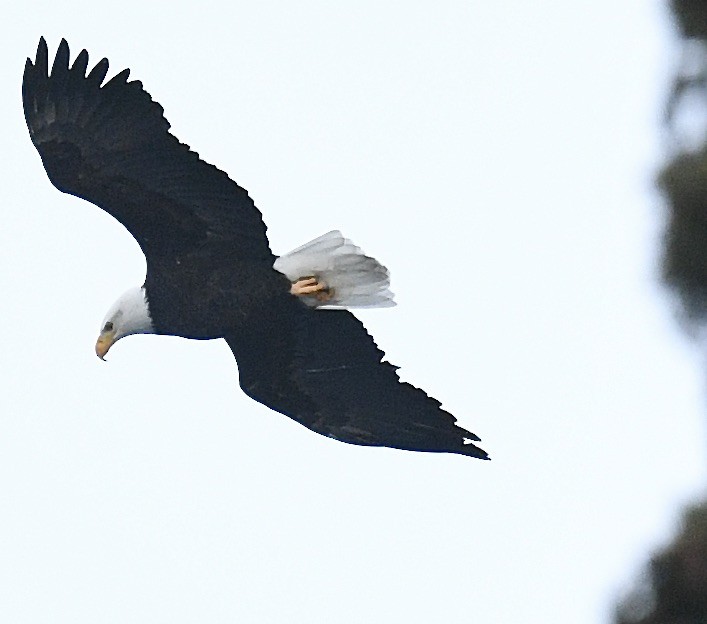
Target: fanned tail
[353,279]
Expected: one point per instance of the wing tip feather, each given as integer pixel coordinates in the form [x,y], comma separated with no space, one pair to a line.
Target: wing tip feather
[41,59]
[80,63]
[61,60]
[99,72]
[121,78]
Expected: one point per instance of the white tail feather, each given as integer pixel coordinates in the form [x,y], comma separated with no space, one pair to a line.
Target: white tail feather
[354,279]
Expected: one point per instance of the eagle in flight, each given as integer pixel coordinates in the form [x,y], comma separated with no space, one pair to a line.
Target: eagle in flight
[211,273]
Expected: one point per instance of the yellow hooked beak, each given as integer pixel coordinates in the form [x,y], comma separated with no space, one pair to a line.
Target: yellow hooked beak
[104,343]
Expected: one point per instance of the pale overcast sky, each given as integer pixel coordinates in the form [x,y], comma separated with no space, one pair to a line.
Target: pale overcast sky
[498,158]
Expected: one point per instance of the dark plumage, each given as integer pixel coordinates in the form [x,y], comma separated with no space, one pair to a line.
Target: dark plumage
[209,266]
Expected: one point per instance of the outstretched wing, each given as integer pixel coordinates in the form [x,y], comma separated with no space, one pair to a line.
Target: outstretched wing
[111,145]
[323,369]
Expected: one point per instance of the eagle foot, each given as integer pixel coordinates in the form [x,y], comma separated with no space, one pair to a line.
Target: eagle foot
[311,286]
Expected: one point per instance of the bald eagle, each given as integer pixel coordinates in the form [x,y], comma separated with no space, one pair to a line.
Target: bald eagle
[211,273]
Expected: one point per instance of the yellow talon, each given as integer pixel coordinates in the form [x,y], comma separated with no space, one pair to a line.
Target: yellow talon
[311,286]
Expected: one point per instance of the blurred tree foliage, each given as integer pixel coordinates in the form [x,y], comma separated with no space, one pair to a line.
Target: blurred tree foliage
[683,180]
[684,183]
[691,17]
[673,589]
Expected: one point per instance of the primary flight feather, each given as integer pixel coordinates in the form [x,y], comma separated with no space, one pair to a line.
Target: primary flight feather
[210,270]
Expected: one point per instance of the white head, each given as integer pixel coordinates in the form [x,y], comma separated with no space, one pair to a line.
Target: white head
[128,315]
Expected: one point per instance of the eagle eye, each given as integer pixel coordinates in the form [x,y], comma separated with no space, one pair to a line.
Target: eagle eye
[108,327]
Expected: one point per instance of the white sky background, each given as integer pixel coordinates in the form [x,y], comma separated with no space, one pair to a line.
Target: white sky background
[498,158]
